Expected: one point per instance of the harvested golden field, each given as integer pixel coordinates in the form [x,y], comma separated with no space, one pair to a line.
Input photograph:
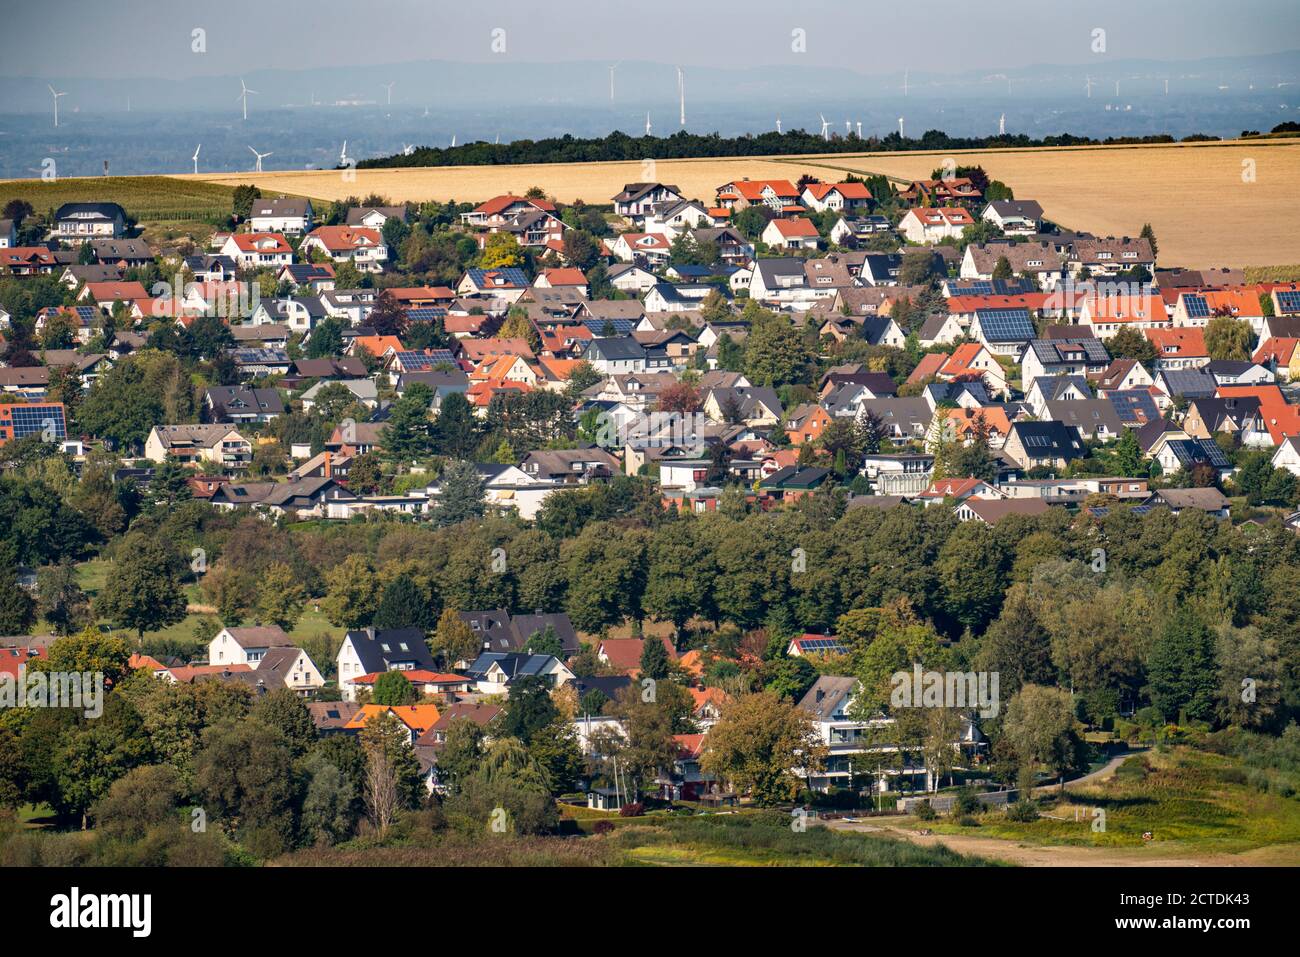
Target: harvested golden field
[1193,194]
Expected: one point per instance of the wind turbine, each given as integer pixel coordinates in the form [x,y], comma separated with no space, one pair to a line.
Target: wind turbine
[260,157]
[611,79]
[647,123]
[681,93]
[826,127]
[195,157]
[904,81]
[848,127]
[453,140]
[1087,84]
[243,95]
[1002,125]
[408,149]
[778,124]
[343,154]
[1117,89]
[57,94]
[859,129]
[389,88]
[900,128]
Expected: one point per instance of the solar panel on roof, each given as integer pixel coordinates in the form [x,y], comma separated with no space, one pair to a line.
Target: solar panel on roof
[426,314]
[1005,325]
[1196,306]
[1289,301]
[621,327]
[43,420]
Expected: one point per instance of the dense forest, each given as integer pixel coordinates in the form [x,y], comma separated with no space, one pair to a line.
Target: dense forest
[684,145]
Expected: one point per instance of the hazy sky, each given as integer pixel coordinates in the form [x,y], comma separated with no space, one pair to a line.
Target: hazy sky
[73,38]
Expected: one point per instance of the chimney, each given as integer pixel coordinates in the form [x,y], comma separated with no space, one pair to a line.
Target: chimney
[820,694]
[329,470]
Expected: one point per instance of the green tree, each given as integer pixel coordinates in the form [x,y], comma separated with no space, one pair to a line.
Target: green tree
[758,742]
[1182,669]
[280,596]
[143,591]
[1228,338]
[350,590]
[655,662]
[392,688]
[404,605]
[460,495]
[454,640]
[1041,730]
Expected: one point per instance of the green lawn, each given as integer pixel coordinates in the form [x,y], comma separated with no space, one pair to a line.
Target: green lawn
[93,574]
[1192,802]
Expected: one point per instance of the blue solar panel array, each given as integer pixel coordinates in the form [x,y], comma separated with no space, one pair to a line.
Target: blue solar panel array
[994,287]
[413,361]
[822,646]
[1289,301]
[43,420]
[426,314]
[1196,306]
[1005,325]
[621,327]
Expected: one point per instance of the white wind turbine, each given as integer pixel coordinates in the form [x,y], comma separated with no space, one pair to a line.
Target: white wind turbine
[848,127]
[1002,125]
[826,127]
[244,91]
[56,94]
[1087,84]
[408,149]
[260,157]
[343,154]
[778,124]
[611,79]
[900,128]
[681,94]
[859,129]
[195,157]
[453,140]
[647,123]
[389,88]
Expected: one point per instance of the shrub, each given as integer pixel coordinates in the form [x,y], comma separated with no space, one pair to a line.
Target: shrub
[635,809]
[602,827]
[966,803]
[968,820]
[924,812]
[1022,812]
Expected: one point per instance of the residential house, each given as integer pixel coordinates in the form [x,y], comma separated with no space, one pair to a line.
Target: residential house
[75,222]
[1014,216]
[213,445]
[369,650]
[1043,445]
[282,214]
[929,225]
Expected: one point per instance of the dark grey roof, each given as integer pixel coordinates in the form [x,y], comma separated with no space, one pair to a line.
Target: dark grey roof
[1049,439]
[1056,351]
[226,400]
[514,665]
[612,348]
[1190,452]
[1194,383]
[380,650]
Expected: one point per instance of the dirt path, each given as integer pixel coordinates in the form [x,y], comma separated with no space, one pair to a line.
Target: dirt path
[1035,855]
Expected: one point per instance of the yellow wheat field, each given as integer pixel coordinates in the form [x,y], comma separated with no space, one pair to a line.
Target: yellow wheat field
[1232,203]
